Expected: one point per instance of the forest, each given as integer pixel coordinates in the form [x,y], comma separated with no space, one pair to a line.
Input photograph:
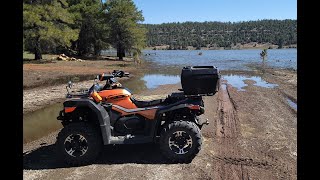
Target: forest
[222,34]
[82,27]
[86,27]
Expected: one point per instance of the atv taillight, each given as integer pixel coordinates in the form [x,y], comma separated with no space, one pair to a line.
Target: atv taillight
[194,107]
[69,109]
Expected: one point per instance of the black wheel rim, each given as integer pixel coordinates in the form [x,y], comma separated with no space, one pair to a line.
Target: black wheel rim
[180,142]
[76,145]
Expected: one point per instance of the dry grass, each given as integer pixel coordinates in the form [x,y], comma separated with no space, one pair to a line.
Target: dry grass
[30,56]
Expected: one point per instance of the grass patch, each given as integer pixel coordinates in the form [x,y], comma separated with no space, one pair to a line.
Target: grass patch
[27,56]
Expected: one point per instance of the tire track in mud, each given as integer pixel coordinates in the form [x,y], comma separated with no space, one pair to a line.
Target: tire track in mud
[231,160]
[227,131]
[228,123]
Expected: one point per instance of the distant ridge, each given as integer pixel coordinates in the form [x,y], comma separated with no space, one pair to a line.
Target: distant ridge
[222,34]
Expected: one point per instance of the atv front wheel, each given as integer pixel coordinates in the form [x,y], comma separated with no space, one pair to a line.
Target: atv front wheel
[79,143]
[180,141]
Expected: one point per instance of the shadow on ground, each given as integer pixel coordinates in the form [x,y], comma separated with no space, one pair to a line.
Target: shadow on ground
[45,157]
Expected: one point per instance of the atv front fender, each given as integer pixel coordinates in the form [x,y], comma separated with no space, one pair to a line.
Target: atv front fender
[102,115]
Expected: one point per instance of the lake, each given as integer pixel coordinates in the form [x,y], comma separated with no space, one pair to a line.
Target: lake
[168,63]
[223,59]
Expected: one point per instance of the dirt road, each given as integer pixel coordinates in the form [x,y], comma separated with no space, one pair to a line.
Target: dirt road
[251,135]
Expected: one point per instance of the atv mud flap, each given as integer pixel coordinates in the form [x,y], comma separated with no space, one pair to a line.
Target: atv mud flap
[200,122]
[61,115]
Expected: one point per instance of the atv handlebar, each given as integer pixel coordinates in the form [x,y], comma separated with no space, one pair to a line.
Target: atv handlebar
[118,73]
[115,73]
[111,82]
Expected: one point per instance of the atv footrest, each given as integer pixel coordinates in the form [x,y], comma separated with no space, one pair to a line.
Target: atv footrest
[130,139]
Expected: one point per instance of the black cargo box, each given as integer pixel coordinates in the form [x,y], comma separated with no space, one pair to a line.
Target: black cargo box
[200,80]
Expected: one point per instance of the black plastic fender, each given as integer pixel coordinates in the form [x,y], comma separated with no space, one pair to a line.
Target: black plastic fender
[102,115]
[178,105]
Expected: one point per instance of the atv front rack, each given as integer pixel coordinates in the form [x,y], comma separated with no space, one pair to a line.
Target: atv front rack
[79,94]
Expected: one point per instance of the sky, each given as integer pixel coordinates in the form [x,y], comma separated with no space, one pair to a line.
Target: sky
[162,11]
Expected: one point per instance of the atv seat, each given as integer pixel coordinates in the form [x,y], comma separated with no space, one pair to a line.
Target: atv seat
[142,104]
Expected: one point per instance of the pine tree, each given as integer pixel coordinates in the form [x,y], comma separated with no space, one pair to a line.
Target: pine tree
[126,33]
[264,54]
[47,26]
[90,19]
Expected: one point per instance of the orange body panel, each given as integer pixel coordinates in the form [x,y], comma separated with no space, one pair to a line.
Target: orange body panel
[123,102]
[123,113]
[113,92]
[149,114]
[120,97]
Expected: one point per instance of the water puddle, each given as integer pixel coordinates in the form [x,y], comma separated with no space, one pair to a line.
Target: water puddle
[44,121]
[237,81]
[292,104]
[41,122]
[154,80]
[224,87]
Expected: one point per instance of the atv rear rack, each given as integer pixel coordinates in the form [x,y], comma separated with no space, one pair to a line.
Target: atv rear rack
[181,94]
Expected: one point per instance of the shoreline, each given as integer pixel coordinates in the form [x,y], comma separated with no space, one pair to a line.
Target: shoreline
[238,46]
[40,97]
[44,84]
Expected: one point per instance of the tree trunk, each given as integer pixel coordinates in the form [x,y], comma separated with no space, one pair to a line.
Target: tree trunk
[123,53]
[263,66]
[97,50]
[120,52]
[37,51]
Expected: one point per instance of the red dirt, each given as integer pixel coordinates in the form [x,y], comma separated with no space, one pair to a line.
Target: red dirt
[58,72]
[251,135]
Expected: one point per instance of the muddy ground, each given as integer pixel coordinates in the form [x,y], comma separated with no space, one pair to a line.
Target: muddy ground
[252,135]
[44,82]
[45,73]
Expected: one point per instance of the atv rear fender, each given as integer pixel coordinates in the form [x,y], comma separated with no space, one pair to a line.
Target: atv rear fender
[185,107]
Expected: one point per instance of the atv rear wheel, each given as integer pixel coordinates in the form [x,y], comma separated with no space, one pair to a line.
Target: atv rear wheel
[79,143]
[180,141]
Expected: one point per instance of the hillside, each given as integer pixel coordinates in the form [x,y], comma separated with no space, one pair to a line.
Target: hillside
[222,34]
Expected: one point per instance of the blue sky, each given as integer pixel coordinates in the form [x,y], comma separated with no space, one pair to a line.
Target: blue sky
[161,11]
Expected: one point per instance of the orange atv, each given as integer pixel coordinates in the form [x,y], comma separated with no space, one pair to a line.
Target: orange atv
[109,114]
